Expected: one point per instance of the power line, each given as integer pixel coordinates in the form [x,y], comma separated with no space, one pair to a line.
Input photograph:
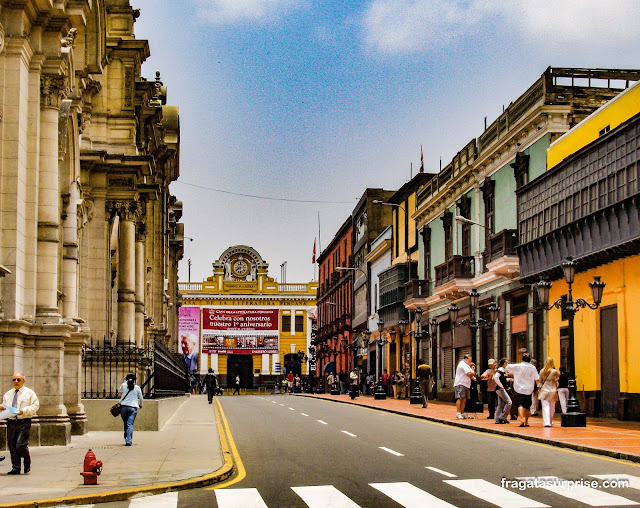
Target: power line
[269,198]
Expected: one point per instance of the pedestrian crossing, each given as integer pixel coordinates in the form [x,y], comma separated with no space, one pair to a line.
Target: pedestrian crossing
[555,491]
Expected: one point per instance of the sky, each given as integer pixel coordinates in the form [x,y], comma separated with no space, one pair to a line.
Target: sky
[305,103]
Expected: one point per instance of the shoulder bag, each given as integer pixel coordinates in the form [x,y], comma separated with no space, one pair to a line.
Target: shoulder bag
[115,409]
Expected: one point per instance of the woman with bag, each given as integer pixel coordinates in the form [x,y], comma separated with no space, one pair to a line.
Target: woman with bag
[130,401]
[548,391]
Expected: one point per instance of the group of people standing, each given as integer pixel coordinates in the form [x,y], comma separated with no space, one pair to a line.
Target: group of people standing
[514,385]
[292,383]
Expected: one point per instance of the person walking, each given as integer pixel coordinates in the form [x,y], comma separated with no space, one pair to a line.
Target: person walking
[26,402]
[548,392]
[353,387]
[462,385]
[130,401]
[487,376]
[504,401]
[534,395]
[563,388]
[525,376]
[424,375]
[237,385]
[211,384]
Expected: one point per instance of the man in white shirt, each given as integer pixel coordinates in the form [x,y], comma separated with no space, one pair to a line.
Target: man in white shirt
[18,427]
[462,385]
[525,376]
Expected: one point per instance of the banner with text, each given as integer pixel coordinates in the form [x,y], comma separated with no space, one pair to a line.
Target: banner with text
[240,331]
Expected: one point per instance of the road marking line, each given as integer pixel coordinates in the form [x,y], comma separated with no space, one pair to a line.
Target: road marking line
[273,401]
[304,414]
[495,494]
[232,498]
[634,481]
[282,404]
[292,409]
[322,496]
[436,470]
[349,433]
[584,494]
[393,452]
[323,423]
[410,496]
[168,500]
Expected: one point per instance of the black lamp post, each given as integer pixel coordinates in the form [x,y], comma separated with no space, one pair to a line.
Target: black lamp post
[573,417]
[335,390]
[380,393]
[416,396]
[474,323]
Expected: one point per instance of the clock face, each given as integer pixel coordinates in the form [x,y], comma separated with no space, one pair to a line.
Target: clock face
[240,268]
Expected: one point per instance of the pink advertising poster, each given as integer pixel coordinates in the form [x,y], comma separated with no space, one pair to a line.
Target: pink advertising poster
[189,336]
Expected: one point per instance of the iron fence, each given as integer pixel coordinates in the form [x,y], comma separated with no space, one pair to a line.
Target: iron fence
[159,372]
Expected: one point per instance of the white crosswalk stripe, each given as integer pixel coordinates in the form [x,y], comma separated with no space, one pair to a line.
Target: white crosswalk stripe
[322,496]
[233,498]
[633,481]
[587,495]
[494,494]
[168,500]
[409,496]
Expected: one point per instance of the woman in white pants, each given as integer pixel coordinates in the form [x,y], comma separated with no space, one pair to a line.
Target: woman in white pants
[563,388]
[548,391]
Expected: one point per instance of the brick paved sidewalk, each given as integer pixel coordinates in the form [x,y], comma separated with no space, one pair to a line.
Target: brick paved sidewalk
[601,435]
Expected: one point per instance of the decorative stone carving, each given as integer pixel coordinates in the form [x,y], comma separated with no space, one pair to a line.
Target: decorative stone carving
[141,229]
[127,210]
[52,90]
[69,40]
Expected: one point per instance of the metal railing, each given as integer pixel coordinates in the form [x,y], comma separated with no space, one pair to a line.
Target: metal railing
[159,372]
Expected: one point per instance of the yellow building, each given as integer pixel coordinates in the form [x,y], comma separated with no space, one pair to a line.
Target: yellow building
[241,322]
[601,157]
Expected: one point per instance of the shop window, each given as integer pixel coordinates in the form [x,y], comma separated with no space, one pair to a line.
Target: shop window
[286,324]
[299,324]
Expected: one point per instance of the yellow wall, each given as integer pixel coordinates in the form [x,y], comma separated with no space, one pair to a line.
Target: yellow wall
[399,233]
[615,112]
[623,290]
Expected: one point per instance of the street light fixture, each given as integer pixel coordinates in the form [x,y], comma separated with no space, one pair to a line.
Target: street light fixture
[381,341]
[573,417]
[464,220]
[474,323]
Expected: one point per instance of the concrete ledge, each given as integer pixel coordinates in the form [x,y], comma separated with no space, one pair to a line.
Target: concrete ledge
[153,415]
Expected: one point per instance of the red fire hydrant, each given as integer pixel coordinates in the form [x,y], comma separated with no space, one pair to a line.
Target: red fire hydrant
[92,468]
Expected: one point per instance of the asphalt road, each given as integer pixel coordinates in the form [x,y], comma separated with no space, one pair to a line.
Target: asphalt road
[362,457]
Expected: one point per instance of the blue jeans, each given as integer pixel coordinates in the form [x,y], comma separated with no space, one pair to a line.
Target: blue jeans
[504,403]
[128,415]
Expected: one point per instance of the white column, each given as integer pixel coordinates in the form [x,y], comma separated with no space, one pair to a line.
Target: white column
[204,363]
[70,255]
[265,365]
[47,311]
[126,271]
[140,269]
[214,363]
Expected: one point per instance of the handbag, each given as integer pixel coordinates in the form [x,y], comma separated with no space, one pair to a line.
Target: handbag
[115,409]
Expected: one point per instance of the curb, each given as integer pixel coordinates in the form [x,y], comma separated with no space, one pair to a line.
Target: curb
[218,476]
[454,423]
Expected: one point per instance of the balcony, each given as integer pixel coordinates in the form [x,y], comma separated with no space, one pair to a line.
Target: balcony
[454,277]
[500,258]
[416,293]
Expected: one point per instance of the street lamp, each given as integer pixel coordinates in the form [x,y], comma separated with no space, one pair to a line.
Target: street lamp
[474,323]
[335,390]
[464,220]
[573,417]
[381,341]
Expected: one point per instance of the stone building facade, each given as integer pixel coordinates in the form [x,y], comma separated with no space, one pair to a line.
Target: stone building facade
[90,233]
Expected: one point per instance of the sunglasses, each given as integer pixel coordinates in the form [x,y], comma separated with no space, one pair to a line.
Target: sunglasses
[17,379]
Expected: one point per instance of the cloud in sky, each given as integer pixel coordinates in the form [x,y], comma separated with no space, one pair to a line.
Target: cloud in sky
[407,26]
[221,12]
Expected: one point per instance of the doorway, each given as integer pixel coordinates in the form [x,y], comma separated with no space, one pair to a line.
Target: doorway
[609,360]
[241,365]
[292,364]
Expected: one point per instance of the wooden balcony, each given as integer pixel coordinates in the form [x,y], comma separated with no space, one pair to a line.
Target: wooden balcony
[500,257]
[416,288]
[456,267]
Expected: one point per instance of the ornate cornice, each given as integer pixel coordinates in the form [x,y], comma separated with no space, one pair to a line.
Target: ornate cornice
[126,210]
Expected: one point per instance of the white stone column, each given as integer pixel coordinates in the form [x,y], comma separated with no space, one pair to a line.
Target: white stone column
[70,256]
[126,271]
[214,363]
[51,90]
[140,283]
[265,365]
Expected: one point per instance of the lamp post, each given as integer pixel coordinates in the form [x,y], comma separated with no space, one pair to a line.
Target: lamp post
[573,417]
[416,397]
[474,323]
[335,390]
[380,393]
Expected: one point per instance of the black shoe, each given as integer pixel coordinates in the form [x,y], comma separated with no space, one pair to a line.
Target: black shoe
[27,469]
[506,421]
[14,471]
[2,457]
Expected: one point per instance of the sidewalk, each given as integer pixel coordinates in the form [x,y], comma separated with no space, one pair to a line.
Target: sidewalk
[602,436]
[188,452]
